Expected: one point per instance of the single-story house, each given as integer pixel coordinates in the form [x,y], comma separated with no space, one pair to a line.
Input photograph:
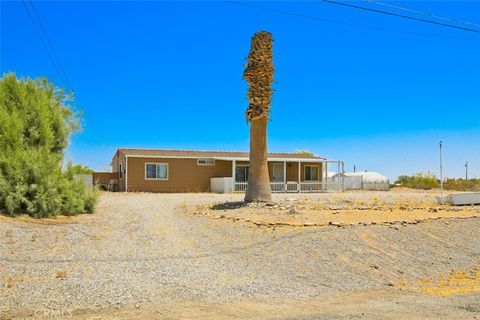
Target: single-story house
[159,170]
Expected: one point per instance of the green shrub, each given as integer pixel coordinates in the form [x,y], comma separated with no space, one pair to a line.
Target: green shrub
[423,181]
[36,120]
[462,184]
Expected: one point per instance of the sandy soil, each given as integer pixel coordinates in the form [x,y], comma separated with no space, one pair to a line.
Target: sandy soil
[364,255]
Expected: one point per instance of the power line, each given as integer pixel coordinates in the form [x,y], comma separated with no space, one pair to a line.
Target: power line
[62,70]
[400,15]
[48,46]
[432,15]
[314,18]
[45,43]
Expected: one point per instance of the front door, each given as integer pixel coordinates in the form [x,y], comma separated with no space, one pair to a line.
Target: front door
[278,172]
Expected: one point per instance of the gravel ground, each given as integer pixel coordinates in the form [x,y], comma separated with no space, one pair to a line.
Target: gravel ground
[143,250]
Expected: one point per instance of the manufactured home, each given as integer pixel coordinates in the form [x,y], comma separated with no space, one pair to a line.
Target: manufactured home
[159,170]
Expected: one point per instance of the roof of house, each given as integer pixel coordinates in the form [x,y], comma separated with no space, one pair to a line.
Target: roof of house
[220,155]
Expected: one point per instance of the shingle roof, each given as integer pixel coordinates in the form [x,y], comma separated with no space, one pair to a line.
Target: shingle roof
[208,154]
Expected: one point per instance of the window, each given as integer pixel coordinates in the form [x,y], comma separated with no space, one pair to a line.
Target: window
[205,162]
[311,173]
[120,174]
[241,173]
[156,171]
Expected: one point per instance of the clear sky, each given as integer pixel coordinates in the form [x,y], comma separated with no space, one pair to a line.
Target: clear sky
[376,91]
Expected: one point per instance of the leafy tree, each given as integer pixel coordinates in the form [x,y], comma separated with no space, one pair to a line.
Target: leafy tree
[304,152]
[79,168]
[36,121]
[259,75]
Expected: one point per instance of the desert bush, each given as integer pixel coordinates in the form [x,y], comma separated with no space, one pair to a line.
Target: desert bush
[424,181]
[36,120]
[462,184]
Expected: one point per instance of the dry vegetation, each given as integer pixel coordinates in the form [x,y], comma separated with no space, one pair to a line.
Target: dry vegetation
[393,209]
[148,256]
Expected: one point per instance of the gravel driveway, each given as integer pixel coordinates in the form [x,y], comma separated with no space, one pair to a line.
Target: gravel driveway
[143,250]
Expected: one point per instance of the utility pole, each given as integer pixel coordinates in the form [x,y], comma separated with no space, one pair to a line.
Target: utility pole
[441,171]
[466,171]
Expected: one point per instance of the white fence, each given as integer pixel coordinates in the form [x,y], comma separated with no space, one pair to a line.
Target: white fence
[302,187]
[86,178]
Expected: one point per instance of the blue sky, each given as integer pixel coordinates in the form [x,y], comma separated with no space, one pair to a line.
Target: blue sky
[378,93]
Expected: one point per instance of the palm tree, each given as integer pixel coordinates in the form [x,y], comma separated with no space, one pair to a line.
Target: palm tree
[259,75]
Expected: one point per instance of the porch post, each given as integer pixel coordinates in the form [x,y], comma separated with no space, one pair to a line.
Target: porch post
[285,175]
[299,174]
[234,163]
[326,176]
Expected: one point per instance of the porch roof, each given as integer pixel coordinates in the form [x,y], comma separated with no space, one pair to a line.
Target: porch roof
[219,155]
[273,159]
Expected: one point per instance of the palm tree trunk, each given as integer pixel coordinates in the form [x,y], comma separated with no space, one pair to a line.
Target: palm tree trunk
[258,188]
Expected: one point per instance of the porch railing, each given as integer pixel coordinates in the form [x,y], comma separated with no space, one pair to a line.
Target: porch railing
[305,186]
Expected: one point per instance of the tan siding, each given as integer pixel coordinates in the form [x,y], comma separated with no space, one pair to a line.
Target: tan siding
[292,171]
[311,164]
[184,175]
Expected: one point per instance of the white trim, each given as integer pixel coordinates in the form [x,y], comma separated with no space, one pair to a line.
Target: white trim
[232,158]
[273,171]
[205,164]
[235,173]
[299,172]
[318,172]
[126,173]
[157,163]
[274,159]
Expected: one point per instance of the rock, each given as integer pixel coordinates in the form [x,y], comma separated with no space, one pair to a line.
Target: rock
[335,223]
[292,211]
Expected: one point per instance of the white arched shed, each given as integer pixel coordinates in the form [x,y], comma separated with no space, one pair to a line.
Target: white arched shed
[364,180]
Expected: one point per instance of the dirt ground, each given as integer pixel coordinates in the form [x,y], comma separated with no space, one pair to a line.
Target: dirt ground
[353,255]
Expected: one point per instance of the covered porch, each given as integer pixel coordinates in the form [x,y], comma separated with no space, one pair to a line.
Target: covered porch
[306,175]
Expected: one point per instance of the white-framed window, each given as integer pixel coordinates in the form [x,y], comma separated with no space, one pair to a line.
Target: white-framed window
[156,171]
[241,173]
[310,173]
[205,162]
